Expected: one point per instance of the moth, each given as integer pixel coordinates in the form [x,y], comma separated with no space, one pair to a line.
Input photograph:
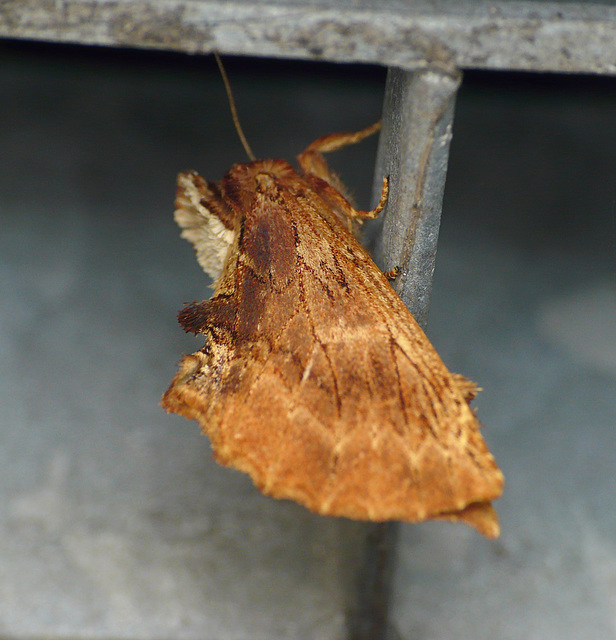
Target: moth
[314,378]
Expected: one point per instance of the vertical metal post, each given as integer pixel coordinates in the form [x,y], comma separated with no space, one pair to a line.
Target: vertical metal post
[413,151]
[369,616]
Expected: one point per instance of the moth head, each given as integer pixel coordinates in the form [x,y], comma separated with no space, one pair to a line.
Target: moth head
[245,180]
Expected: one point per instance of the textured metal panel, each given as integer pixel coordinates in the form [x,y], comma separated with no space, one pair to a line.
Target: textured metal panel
[539,36]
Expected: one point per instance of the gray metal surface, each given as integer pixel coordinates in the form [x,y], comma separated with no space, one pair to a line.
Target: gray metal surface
[422,43]
[538,36]
[370,618]
[114,520]
[413,152]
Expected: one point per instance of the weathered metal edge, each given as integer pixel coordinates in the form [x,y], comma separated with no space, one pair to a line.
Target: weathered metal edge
[523,36]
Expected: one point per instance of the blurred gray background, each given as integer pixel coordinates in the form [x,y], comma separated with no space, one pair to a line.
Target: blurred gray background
[114,520]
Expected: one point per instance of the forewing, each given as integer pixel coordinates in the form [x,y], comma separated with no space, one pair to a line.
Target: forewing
[323,387]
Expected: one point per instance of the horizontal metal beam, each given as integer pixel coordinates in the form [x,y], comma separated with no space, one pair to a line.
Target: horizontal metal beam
[513,35]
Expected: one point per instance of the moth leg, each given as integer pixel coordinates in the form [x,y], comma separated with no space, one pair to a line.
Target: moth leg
[335,141]
[314,166]
[392,274]
[312,161]
[371,215]
[326,183]
[341,206]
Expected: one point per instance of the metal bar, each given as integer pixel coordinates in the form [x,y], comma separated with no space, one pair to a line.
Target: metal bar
[531,35]
[369,619]
[413,151]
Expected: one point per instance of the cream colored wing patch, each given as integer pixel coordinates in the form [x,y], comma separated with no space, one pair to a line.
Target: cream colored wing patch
[209,236]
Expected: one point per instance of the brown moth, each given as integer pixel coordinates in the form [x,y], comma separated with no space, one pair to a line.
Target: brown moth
[315,379]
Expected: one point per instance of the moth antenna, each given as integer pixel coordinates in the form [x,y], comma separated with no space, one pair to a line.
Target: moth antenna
[236,120]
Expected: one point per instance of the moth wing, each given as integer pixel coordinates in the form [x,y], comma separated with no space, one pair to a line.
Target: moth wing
[325,390]
[201,213]
[405,420]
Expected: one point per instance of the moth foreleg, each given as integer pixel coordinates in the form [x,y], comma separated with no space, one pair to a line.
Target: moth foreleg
[335,141]
[374,213]
[312,161]
[392,274]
